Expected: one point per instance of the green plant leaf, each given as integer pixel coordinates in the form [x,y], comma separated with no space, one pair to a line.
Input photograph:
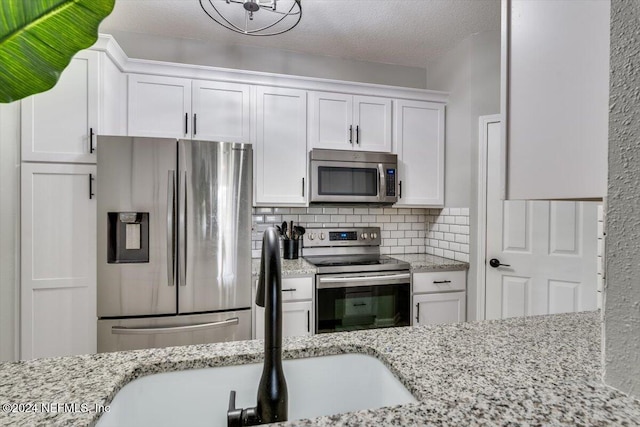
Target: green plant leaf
[38,38]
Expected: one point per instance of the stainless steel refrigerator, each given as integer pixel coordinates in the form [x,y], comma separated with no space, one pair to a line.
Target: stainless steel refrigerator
[174,242]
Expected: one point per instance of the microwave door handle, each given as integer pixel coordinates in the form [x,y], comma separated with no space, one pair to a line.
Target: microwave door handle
[383,183]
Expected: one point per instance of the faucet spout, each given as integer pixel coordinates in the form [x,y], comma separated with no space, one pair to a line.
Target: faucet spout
[272,402]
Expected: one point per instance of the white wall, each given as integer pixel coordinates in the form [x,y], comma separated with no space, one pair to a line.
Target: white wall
[622,250]
[471,74]
[267,60]
[9,229]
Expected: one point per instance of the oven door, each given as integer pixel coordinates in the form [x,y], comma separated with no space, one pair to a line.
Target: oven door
[352,182]
[347,302]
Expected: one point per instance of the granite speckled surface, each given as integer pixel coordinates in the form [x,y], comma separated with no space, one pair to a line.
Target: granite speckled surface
[426,262]
[542,370]
[290,267]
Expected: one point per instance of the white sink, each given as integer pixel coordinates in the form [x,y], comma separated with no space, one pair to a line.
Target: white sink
[200,397]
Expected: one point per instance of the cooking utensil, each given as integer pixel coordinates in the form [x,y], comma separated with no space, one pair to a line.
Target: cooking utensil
[291,231]
[299,231]
[284,229]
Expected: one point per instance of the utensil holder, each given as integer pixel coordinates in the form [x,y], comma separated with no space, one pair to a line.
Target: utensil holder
[290,249]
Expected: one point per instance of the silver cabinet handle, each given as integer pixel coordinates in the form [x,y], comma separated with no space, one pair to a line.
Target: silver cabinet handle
[122,330]
[171,206]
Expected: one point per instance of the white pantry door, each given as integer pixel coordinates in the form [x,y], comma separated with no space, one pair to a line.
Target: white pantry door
[549,248]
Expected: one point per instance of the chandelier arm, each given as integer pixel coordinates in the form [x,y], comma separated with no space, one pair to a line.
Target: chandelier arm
[277,22]
[231,26]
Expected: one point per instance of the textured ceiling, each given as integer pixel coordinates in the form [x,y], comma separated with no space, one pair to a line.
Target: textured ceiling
[403,32]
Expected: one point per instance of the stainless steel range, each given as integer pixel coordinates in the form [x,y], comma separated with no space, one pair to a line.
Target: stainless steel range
[356,287]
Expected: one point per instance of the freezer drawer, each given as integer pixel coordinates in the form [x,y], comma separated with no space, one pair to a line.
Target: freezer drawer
[155,332]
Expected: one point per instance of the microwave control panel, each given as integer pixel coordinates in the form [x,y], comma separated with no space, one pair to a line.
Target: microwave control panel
[391,182]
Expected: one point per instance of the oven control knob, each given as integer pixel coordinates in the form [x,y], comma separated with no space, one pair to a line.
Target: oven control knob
[364,236]
[374,235]
[312,236]
[321,236]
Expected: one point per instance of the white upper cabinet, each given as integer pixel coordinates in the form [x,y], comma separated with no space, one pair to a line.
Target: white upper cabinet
[280,172]
[419,144]
[220,111]
[183,108]
[345,122]
[159,106]
[555,88]
[60,125]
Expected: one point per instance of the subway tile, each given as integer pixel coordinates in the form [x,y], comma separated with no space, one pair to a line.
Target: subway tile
[448,254]
[313,225]
[417,242]
[404,242]
[385,250]
[444,228]
[409,233]
[389,242]
[422,218]
[464,229]
[411,218]
[443,244]
[385,234]
[462,220]
[345,211]
[454,246]
[418,226]
[438,235]
[404,211]
[461,238]
[449,237]
[390,211]
[354,218]
[418,211]
[346,224]
[404,226]
[422,249]
[383,218]
[273,219]
[264,210]
[368,218]
[422,234]
[397,218]
[449,219]
[322,218]
[338,218]
[429,250]
[391,226]
[298,210]
[361,211]
[256,253]
[329,224]
[397,235]
[376,224]
[307,218]
[397,250]
[411,249]
[329,210]
[258,218]
[438,251]
[281,210]
[445,211]
[454,211]
[376,211]
[314,210]
[288,218]
[464,211]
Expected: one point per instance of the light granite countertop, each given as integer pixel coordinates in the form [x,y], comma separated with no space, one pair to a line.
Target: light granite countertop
[419,262]
[541,370]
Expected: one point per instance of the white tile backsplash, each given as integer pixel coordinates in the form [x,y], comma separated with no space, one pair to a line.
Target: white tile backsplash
[402,230]
[448,233]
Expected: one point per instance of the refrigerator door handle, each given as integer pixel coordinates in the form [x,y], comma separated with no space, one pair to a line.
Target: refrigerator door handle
[122,330]
[171,208]
[183,233]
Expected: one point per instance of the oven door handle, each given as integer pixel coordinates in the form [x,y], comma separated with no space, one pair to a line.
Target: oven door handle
[339,282]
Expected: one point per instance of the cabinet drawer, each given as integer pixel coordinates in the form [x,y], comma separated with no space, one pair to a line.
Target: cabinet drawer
[439,281]
[297,288]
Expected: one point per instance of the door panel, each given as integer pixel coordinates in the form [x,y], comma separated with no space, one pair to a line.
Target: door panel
[296,319]
[58,261]
[221,111]
[214,226]
[434,309]
[548,250]
[136,175]
[372,116]
[330,118]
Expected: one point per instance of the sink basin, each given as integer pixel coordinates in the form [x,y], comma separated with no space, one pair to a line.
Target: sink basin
[200,397]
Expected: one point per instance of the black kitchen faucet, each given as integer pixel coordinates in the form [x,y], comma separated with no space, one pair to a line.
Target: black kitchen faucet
[272,391]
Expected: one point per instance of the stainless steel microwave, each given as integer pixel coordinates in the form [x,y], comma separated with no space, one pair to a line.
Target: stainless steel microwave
[345,176]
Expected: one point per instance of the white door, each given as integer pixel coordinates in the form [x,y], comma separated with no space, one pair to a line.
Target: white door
[159,106]
[419,144]
[57,125]
[58,259]
[372,121]
[296,319]
[331,121]
[281,151]
[548,250]
[433,309]
[220,111]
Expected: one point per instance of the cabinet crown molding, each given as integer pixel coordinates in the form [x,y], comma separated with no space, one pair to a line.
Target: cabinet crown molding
[106,43]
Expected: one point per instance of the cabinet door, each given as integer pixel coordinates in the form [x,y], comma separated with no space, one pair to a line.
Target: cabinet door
[331,121]
[159,106]
[57,124]
[555,98]
[419,130]
[372,121]
[220,111]
[433,309]
[280,173]
[296,319]
[58,262]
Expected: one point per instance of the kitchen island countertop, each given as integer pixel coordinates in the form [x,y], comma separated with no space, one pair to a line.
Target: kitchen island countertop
[543,370]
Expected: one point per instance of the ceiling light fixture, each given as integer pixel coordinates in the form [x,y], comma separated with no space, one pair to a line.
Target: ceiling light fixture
[257,17]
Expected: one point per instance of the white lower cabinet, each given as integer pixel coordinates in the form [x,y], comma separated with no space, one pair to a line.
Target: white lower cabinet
[439,297]
[58,260]
[297,309]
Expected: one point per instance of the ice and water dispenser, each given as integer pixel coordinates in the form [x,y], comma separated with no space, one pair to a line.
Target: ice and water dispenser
[128,237]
